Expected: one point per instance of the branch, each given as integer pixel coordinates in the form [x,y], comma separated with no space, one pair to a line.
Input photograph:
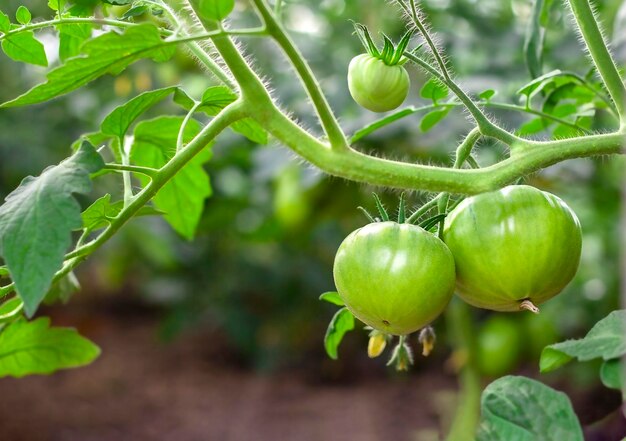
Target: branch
[327,118]
[393,117]
[486,126]
[600,54]
[355,166]
[226,117]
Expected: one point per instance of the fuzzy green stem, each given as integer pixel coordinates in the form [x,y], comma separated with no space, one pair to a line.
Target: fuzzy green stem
[604,62]
[229,115]
[487,127]
[356,166]
[330,124]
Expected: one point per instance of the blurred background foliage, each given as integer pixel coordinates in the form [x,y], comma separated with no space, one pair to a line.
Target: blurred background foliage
[265,246]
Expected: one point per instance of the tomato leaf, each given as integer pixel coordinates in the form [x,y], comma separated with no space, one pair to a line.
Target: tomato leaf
[28,348]
[182,198]
[342,322]
[99,214]
[122,117]
[431,119]
[612,374]
[23,15]
[214,9]
[530,87]
[5,22]
[434,90]
[521,409]
[36,222]
[26,48]
[109,53]
[533,43]
[71,38]
[62,290]
[11,310]
[533,126]
[606,340]
[332,297]
[486,95]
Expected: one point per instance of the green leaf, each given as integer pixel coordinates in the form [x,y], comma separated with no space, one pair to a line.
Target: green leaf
[62,290]
[99,214]
[28,348]
[486,95]
[23,15]
[5,22]
[71,38]
[533,44]
[214,9]
[612,374]
[521,409]
[109,53]
[532,86]
[135,11]
[11,310]
[182,198]
[36,222]
[25,47]
[122,117]
[342,322]
[251,130]
[606,340]
[56,5]
[431,119]
[97,139]
[332,297]
[216,98]
[118,2]
[531,127]
[434,90]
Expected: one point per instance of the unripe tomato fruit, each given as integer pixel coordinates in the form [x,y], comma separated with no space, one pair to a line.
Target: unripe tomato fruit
[394,277]
[499,346]
[375,85]
[513,244]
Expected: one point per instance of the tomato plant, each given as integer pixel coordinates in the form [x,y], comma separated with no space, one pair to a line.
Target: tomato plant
[514,247]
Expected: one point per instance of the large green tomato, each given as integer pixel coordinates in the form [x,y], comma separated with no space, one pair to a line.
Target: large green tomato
[396,278]
[375,85]
[511,245]
[499,346]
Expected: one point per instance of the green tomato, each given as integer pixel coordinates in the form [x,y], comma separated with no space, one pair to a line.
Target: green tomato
[499,346]
[375,85]
[511,245]
[394,277]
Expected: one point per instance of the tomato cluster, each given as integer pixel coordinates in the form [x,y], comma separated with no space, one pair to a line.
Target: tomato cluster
[506,250]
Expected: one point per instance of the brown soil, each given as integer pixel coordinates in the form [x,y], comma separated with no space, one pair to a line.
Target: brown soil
[143,390]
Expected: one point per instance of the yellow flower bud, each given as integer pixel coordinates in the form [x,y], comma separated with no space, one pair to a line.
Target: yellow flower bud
[376,345]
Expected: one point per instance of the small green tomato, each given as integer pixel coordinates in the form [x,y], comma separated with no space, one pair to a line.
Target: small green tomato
[394,277]
[375,85]
[514,248]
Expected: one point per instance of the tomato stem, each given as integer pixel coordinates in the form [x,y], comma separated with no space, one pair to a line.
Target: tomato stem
[528,305]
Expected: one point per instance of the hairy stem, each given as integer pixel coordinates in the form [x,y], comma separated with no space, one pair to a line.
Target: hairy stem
[229,115]
[600,54]
[486,126]
[330,124]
